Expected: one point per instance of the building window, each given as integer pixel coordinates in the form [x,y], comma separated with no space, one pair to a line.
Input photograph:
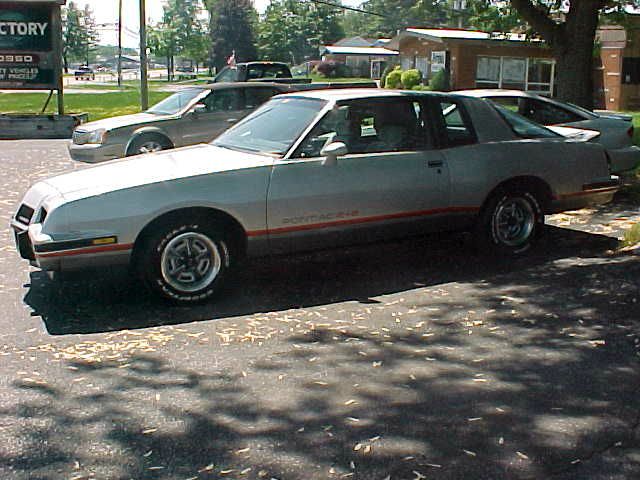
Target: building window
[631,70]
[488,72]
[531,74]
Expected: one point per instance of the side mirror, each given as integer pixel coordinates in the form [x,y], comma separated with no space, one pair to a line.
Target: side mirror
[199,108]
[332,151]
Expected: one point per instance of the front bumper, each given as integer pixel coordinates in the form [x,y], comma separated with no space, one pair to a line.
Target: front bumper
[76,254]
[95,153]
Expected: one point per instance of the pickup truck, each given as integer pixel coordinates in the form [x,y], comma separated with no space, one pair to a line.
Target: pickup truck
[278,72]
[258,72]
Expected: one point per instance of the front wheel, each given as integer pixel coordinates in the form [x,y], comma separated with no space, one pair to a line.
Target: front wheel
[148,144]
[511,222]
[185,262]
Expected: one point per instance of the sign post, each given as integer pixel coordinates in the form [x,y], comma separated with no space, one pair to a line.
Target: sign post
[31,46]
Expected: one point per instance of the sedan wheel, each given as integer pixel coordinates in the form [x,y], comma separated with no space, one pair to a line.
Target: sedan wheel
[149,146]
[190,262]
[184,261]
[511,222]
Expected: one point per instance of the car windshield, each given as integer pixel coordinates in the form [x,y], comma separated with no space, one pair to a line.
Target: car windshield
[524,127]
[274,127]
[176,102]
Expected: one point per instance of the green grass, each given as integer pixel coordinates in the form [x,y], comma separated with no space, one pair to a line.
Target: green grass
[631,236]
[97,105]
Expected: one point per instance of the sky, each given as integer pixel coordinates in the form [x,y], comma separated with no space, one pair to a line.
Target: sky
[106,14]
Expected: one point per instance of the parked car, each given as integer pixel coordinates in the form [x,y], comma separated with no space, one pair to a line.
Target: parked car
[84,73]
[616,130]
[193,115]
[258,72]
[311,170]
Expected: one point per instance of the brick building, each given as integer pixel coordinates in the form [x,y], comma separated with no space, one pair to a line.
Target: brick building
[475,59]
[617,74]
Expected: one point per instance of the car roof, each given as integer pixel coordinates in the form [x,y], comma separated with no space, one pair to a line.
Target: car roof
[356,93]
[284,87]
[497,92]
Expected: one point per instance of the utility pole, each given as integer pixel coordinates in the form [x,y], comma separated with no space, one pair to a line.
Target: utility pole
[119,43]
[144,90]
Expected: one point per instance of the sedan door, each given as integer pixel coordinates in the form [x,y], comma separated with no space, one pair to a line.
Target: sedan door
[392,182]
[223,108]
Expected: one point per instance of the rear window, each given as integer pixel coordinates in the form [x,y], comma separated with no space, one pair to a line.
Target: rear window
[523,127]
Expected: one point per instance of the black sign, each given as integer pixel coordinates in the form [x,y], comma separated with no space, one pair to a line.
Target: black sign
[28,48]
[26,29]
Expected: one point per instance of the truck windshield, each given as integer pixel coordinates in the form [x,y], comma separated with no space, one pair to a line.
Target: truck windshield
[176,102]
[274,127]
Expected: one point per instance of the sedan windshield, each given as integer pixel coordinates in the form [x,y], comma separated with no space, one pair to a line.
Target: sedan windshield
[274,127]
[176,102]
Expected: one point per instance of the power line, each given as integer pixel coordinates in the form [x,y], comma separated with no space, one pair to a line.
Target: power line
[344,7]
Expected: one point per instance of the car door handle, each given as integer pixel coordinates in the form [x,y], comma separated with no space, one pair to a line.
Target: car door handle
[232,120]
[435,163]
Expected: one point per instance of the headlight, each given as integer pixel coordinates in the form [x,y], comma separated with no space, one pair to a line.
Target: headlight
[97,136]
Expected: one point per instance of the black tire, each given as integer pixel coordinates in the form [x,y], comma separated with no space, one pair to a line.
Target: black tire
[185,262]
[511,222]
[150,142]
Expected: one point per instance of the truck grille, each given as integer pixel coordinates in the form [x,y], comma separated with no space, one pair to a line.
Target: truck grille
[25,213]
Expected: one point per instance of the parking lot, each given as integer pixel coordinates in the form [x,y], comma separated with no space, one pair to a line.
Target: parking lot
[418,359]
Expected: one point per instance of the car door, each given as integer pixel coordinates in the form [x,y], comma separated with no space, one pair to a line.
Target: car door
[392,181]
[223,108]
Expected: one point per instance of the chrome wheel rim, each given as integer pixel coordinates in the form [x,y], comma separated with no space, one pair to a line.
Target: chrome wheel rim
[150,146]
[513,221]
[190,262]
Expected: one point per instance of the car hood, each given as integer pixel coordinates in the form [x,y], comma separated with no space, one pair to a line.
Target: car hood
[154,168]
[122,121]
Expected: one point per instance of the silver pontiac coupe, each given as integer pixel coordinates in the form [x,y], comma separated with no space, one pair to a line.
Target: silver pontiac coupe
[313,170]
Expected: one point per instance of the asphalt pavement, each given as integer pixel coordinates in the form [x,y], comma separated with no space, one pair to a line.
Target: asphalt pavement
[413,360]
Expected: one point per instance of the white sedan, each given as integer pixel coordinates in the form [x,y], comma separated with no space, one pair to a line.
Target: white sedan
[308,170]
[616,129]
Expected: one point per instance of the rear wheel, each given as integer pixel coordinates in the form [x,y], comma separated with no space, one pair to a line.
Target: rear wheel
[511,222]
[185,261]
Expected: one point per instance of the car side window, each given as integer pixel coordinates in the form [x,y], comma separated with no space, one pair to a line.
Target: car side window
[223,100]
[457,127]
[253,97]
[515,104]
[228,74]
[546,113]
[374,126]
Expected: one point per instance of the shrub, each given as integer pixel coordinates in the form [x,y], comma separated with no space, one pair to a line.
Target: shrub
[439,82]
[421,87]
[394,79]
[387,70]
[410,78]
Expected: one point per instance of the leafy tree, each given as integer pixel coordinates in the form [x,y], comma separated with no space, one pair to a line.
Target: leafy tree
[232,28]
[490,16]
[293,31]
[181,32]
[90,34]
[73,35]
[571,36]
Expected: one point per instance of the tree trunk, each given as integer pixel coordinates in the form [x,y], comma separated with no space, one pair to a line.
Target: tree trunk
[168,68]
[572,44]
[574,54]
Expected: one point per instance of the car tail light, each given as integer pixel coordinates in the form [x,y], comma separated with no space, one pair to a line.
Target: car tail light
[630,131]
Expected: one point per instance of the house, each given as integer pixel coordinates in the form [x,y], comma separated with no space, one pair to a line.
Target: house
[475,59]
